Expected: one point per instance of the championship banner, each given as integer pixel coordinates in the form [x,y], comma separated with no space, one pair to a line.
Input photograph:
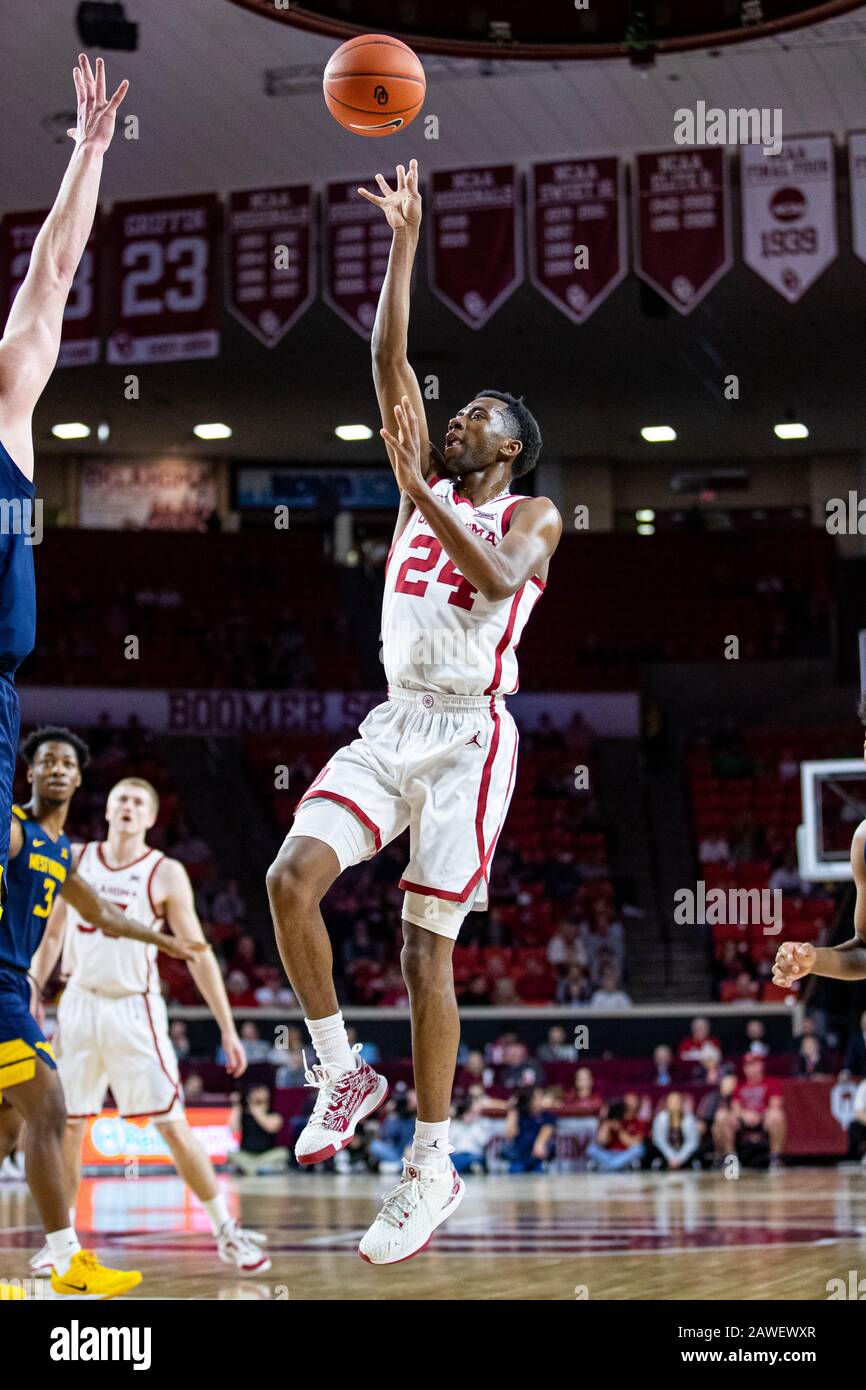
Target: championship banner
[475,250]
[80,342]
[682,216]
[163,495]
[269,247]
[357,246]
[857,180]
[165,277]
[577,240]
[789,213]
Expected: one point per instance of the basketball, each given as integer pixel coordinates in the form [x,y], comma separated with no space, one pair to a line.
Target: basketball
[374,85]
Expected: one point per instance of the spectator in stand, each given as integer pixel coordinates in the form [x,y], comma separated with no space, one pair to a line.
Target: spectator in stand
[291,1068]
[228,907]
[530,1131]
[855,1052]
[700,1049]
[519,1070]
[810,1062]
[395,1131]
[676,1135]
[239,990]
[618,1143]
[557,1048]
[536,984]
[565,948]
[193,1089]
[663,1060]
[190,848]
[505,995]
[369,1053]
[574,991]
[179,1038]
[259,1126]
[714,849]
[476,991]
[584,1099]
[756,1120]
[857,1127]
[469,1136]
[744,990]
[755,1038]
[610,995]
[607,934]
[787,879]
[394,994]
[255,1046]
[714,1117]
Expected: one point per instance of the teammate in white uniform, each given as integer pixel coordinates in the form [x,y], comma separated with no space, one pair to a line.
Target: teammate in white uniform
[112,1026]
[468,562]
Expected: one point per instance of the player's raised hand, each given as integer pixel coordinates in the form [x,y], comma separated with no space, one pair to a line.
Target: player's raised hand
[794,960]
[401,205]
[96,113]
[404,451]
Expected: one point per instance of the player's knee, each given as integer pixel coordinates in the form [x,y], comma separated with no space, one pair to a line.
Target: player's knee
[49,1118]
[426,961]
[290,888]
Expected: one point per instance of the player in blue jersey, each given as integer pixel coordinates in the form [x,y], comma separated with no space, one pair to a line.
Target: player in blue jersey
[28,352]
[41,868]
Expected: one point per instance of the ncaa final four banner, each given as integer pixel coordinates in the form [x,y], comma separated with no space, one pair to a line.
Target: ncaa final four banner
[165,278]
[577,238]
[681,207]
[857,184]
[357,246]
[475,245]
[269,245]
[81,340]
[789,213]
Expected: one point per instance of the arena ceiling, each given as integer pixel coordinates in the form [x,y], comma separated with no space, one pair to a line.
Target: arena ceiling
[228,100]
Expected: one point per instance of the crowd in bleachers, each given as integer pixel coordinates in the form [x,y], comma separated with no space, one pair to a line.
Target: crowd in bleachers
[744,788]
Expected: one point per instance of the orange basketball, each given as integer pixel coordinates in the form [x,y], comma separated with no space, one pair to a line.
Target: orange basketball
[374,85]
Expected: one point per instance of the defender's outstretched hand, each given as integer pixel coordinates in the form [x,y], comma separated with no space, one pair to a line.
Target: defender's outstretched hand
[96,114]
[794,959]
[405,451]
[401,205]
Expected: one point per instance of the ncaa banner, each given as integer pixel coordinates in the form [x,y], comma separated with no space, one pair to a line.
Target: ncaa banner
[80,343]
[577,237]
[475,249]
[269,247]
[857,178]
[357,246]
[789,213]
[165,274]
[682,218]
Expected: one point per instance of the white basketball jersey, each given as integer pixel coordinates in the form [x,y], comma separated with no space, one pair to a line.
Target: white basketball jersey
[438,633]
[110,964]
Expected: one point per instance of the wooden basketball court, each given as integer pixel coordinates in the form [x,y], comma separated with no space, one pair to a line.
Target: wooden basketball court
[628,1236]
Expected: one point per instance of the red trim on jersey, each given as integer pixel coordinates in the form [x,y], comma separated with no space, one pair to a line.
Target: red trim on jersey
[153,907]
[541,588]
[175,1085]
[481,802]
[504,641]
[509,511]
[351,806]
[508,789]
[434,892]
[542,583]
[116,868]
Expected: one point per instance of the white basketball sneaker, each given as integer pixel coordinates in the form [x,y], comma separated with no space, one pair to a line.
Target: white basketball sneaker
[345,1099]
[411,1211]
[236,1246]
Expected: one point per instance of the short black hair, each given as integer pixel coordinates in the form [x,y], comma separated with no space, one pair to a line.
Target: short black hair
[54,733]
[523,426]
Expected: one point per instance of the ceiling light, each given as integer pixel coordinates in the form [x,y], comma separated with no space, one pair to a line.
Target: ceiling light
[790,430]
[212,431]
[646,530]
[353,432]
[645,514]
[73,430]
[658,434]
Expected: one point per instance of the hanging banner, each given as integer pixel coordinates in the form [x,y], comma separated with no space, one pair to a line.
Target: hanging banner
[577,239]
[357,246]
[682,222]
[857,179]
[80,342]
[165,274]
[168,494]
[269,247]
[789,213]
[475,247]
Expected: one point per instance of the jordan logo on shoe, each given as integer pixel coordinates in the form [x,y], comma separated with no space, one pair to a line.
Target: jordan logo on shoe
[473,739]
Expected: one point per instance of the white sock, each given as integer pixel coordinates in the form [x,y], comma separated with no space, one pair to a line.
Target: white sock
[217,1213]
[430,1145]
[72,1216]
[331,1042]
[63,1245]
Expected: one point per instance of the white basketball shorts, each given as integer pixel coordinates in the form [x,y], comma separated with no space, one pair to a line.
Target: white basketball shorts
[122,1043]
[443,765]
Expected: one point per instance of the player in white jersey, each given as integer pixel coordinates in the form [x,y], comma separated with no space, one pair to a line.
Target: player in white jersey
[112,1026]
[468,562]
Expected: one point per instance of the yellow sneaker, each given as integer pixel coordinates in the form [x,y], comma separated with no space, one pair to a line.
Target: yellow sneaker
[87,1278]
